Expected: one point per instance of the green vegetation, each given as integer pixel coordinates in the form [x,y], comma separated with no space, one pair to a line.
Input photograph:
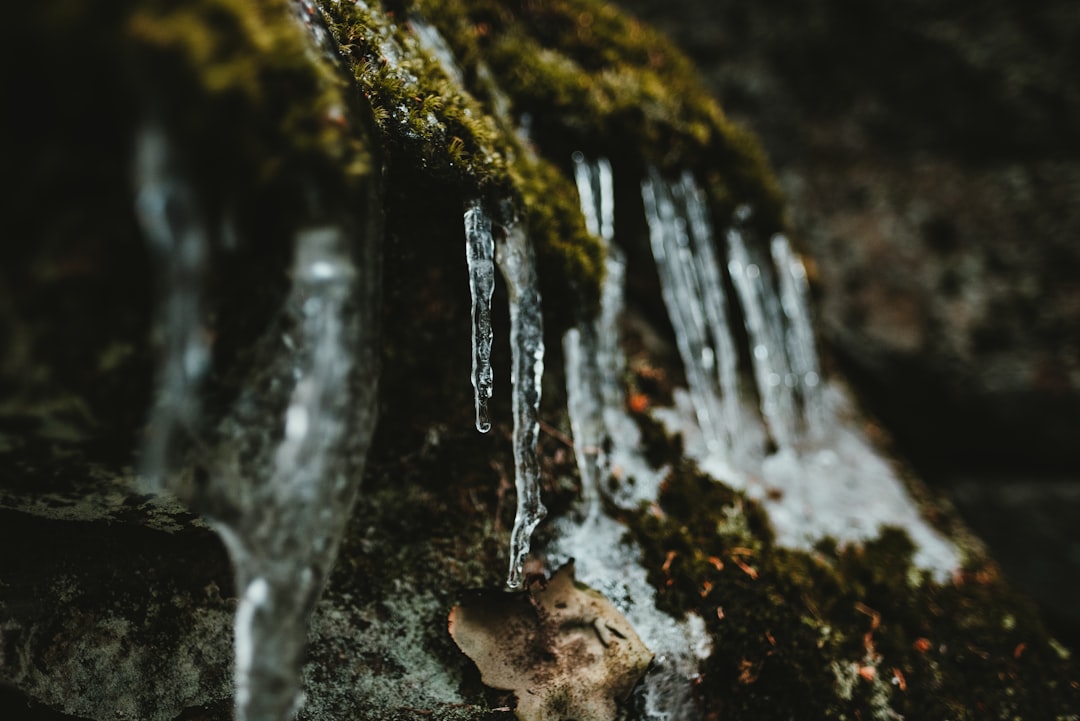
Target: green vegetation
[843,632]
[591,78]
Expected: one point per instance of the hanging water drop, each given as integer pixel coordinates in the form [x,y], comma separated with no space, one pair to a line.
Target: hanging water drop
[480,255]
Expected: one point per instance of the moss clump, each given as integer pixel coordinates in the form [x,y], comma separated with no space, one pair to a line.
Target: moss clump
[844,632]
[430,121]
[239,85]
[592,78]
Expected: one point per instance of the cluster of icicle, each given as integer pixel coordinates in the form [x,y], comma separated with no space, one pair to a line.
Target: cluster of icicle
[282,462]
[515,259]
[820,476]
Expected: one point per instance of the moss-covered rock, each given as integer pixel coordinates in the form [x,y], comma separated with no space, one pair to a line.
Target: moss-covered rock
[277,125]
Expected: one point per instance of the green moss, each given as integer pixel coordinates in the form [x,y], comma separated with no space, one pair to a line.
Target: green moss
[240,87]
[592,78]
[431,122]
[844,632]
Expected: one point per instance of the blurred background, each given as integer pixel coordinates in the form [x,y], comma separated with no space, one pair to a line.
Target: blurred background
[930,151]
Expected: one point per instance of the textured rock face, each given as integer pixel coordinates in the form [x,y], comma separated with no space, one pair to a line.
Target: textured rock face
[930,153]
[116,605]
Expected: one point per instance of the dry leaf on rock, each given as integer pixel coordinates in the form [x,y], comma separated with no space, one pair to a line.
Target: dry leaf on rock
[567,653]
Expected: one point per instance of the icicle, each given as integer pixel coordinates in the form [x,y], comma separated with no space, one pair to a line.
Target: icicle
[515,258]
[795,300]
[680,289]
[765,328]
[581,345]
[584,402]
[170,218]
[714,302]
[480,253]
[285,534]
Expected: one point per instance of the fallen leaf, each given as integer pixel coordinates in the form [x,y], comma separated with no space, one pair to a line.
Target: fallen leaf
[563,649]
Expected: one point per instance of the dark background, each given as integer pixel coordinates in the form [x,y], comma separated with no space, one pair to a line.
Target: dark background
[930,151]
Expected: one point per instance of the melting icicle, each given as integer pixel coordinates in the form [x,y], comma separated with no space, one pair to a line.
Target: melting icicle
[170,218]
[584,403]
[480,253]
[765,328]
[681,288]
[795,300]
[515,258]
[714,302]
[597,408]
[581,345]
[598,348]
[285,471]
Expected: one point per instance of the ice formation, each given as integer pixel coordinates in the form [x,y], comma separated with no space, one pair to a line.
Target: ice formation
[765,329]
[515,259]
[480,254]
[824,478]
[605,443]
[285,482]
[174,229]
[795,301]
[686,293]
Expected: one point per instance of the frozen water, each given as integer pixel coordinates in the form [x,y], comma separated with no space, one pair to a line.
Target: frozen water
[826,478]
[681,291]
[618,452]
[802,353]
[605,442]
[692,286]
[287,458]
[172,223]
[714,301]
[603,560]
[515,259]
[584,402]
[480,254]
[765,330]
[435,44]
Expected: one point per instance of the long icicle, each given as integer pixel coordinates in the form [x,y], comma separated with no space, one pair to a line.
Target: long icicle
[582,345]
[480,254]
[765,329]
[515,259]
[291,508]
[715,305]
[680,290]
[168,212]
[802,353]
